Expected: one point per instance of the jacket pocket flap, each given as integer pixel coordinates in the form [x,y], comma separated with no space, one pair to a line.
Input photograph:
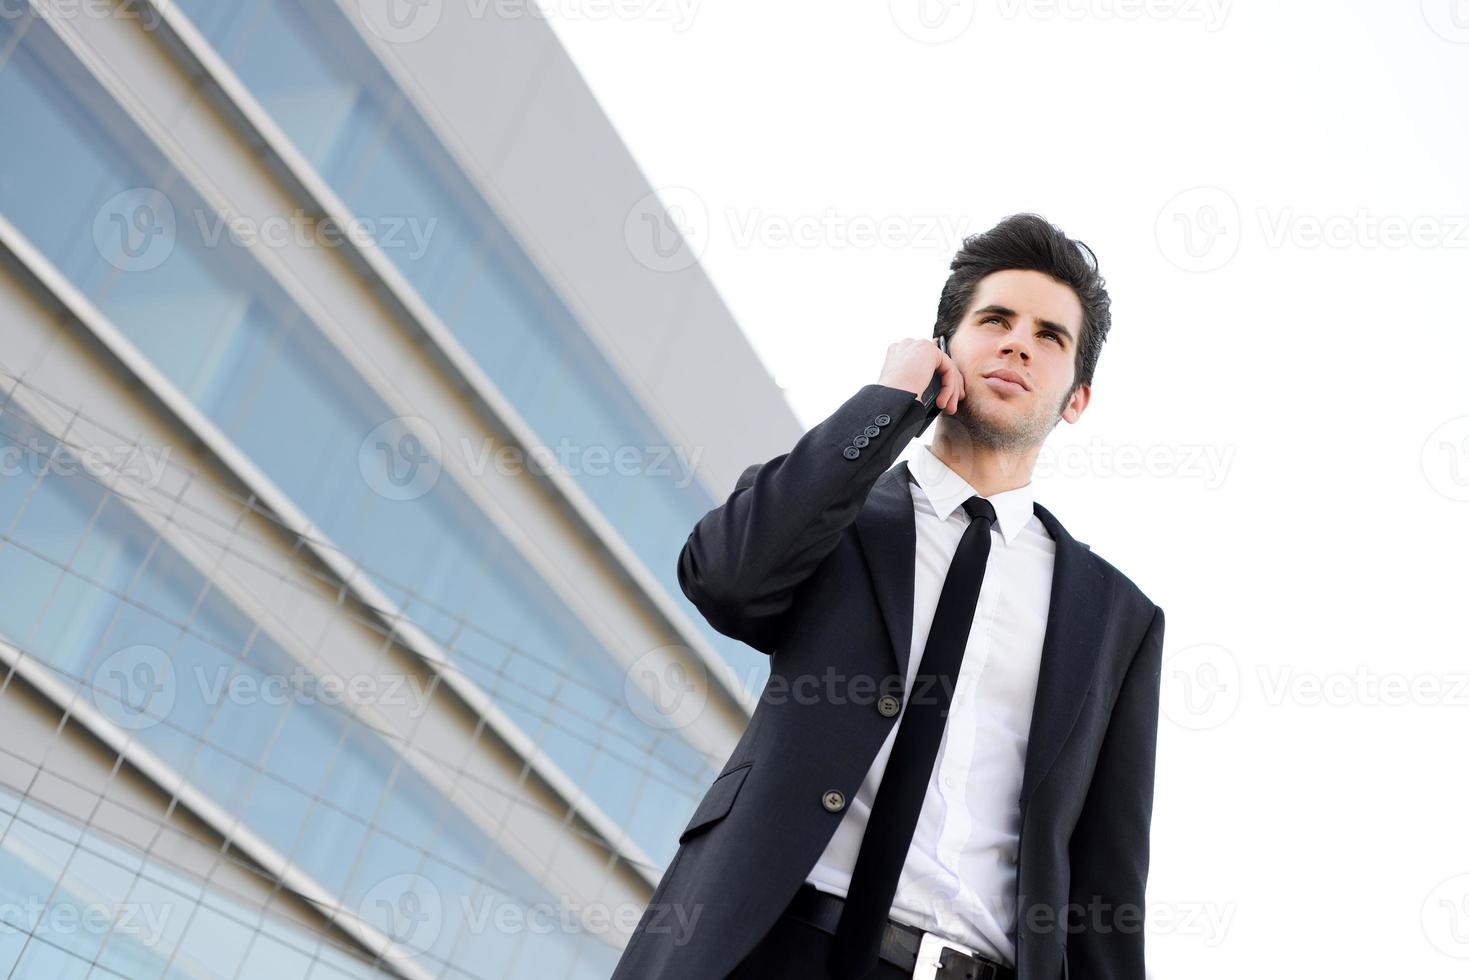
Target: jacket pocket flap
[717,801]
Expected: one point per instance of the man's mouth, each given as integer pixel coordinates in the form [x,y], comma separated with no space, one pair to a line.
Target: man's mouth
[1011,378]
[1006,382]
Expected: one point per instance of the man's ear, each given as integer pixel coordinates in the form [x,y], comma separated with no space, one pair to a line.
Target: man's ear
[1077,404]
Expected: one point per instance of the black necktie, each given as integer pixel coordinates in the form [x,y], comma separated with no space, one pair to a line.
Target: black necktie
[904,783]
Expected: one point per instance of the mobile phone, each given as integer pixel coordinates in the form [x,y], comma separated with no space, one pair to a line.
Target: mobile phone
[930,398]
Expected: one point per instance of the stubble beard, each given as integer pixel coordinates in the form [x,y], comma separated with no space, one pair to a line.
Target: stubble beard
[1003,431]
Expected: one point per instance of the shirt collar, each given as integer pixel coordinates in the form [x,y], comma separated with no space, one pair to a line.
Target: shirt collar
[947,491]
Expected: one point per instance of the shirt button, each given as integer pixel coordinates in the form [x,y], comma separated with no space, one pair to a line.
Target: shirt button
[951,782]
[887,705]
[833,801]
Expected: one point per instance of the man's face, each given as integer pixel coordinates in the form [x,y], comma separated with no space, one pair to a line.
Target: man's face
[1028,323]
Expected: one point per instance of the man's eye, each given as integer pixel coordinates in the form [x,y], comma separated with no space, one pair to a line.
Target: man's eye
[1053,334]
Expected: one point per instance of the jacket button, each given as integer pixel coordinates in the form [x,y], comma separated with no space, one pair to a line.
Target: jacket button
[883,419]
[833,801]
[872,431]
[859,441]
[887,705]
[851,452]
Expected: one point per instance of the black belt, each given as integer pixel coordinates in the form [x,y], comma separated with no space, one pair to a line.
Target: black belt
[899,941]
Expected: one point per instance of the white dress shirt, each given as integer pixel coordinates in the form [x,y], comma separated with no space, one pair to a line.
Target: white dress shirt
[959,877]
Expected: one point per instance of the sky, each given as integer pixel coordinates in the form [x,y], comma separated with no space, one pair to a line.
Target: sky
[1277,448]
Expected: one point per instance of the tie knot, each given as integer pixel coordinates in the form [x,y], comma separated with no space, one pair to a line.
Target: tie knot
[977,508]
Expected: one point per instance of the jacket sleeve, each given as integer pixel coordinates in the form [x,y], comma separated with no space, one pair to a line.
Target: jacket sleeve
[1109,845]
[745,559]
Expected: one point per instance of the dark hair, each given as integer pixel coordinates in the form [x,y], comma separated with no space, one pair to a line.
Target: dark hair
[1028,241]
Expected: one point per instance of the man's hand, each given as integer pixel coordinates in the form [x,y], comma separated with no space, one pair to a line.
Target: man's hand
[910,366]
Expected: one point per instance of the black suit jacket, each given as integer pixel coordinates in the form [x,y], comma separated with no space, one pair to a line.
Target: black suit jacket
[811,561]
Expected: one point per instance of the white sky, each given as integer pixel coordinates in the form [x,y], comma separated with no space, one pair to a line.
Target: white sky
[1305,516]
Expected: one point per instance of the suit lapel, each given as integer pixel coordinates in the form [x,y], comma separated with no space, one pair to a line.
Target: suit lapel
[889,541]
[1080,606]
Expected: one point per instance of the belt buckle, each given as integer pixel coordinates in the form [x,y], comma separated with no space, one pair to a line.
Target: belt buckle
[930,955]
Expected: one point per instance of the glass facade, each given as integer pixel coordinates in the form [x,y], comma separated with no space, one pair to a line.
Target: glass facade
[224,332]
[310,70]
[100,594]
[97,596]
[79,904]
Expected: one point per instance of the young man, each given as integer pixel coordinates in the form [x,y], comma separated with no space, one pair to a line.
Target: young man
[950,771]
